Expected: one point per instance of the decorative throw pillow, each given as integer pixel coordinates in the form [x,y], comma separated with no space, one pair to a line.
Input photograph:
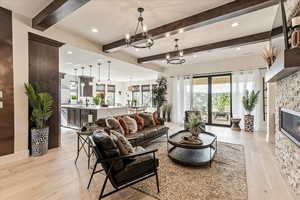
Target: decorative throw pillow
[101,122]
[114,124]
[124,125]
[131,123]
[123,144]
[140,122]
[155,117]
[148,119]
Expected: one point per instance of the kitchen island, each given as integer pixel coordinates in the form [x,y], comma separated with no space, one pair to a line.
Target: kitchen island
[75,116]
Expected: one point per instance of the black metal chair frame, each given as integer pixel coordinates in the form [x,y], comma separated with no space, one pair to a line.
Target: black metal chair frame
[108,173]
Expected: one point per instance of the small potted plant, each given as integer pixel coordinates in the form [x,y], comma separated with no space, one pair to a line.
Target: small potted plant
[249,102]
[41,104]
[195,125]
[97,100]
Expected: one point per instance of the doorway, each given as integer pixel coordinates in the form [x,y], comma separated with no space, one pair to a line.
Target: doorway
[212,96]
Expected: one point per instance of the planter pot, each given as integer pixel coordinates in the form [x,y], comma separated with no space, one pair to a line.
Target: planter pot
[249,123]
[39,141]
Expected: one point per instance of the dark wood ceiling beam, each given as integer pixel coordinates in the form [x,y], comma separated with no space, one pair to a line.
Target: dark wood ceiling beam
[54,12]
[249,39]
[226,11]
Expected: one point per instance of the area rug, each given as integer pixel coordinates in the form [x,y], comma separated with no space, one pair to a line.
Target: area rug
[225,180]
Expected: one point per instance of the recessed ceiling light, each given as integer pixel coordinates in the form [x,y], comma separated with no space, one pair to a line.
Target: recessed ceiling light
[94,30]
[69,52]
[195,55]
[181,30]
[238,48]
[167,34]
[136,49]
[235,24]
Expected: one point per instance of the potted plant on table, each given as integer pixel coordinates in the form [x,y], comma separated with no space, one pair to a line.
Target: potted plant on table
[159,93]
[41,104]
[195,125]
[249,102]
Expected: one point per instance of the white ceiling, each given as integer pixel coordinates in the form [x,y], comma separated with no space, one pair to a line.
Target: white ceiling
[220,54]
[115,18]
[120,71]
[28,8]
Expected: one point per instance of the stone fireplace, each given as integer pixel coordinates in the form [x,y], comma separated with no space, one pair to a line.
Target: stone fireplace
[287,151]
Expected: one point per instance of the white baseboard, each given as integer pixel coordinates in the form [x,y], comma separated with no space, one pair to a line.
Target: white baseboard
[14,157]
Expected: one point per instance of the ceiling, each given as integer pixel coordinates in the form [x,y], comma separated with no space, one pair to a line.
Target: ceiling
[120,71]
[114,18]
[28,8]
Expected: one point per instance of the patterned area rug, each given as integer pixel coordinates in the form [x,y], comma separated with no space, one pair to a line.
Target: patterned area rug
[225,180]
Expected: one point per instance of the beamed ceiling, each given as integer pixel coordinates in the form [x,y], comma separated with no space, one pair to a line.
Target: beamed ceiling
[114,18]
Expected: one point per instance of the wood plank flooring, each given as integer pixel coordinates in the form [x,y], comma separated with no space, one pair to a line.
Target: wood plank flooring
[55,177]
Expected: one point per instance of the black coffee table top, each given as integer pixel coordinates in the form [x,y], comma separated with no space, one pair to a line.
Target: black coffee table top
[207,138]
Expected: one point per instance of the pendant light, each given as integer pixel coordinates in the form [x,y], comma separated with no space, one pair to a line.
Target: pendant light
[91,82]
[108,75]
[82,70]
[99,68]
[178,58]
[74,83]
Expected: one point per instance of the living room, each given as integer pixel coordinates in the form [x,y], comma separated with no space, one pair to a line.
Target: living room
[149,99]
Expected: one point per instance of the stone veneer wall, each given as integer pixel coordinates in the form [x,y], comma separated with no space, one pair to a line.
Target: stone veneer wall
[287,152]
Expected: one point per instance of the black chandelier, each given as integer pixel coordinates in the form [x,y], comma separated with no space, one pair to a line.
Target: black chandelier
[178,58]
[139,40]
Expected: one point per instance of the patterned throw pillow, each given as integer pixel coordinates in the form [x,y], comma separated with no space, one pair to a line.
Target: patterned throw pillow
[131,123]
[123,144]
[140,121]
[148,119]
[124,125]
[155,117]
[114,124]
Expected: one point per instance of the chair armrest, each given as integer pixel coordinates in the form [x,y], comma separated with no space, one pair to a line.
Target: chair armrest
[129,156]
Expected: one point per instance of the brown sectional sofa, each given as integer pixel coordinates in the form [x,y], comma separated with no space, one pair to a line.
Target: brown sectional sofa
[144,136]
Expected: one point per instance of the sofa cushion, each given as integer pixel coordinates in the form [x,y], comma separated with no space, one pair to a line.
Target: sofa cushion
[140,122]
[124,125]
[107,148]
[148,119]
[114,124]
[148,132]
[141,166]
[131,123]
[123,144]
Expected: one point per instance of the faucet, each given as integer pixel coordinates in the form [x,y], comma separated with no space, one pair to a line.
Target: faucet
[86,101]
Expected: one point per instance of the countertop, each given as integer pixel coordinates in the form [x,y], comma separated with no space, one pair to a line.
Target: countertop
[91,107]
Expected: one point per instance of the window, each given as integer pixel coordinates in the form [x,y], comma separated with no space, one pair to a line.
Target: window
[136,95]
[146,95]
[111,94]
[100,88]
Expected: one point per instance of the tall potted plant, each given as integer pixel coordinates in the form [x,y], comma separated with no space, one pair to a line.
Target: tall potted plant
[41,104]
[159,93]
[249,102]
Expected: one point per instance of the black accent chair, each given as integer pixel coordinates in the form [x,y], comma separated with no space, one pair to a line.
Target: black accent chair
[122,171]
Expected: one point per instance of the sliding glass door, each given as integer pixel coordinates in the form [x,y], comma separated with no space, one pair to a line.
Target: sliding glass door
[212,96]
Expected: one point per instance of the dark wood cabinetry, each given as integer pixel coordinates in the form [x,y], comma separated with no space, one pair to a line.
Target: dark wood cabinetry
[78,117]
[87,89]
[73,117]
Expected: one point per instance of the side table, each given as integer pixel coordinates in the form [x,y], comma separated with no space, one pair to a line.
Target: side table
[83,143]
[235,124]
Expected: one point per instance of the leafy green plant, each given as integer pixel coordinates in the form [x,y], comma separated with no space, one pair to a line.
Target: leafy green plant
[221,101]
[159,93]
[41,104]
[194,124]
[97,100]
[250,100]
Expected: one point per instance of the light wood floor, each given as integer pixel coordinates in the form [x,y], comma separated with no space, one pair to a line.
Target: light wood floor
[55,176]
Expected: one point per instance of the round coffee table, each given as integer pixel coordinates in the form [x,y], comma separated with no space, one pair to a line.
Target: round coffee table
[195,155]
